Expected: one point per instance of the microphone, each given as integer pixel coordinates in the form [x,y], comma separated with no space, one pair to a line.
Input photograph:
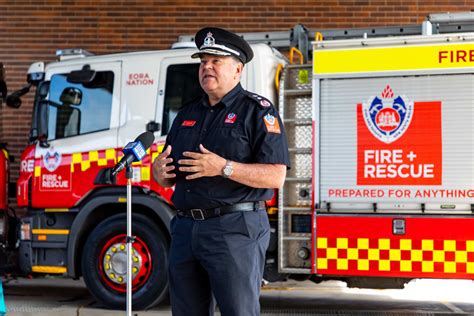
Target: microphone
[134,151]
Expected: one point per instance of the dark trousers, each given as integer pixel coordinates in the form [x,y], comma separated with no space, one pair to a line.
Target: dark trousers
[221,257]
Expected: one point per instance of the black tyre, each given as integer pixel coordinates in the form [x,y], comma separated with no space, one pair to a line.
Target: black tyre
[104,263]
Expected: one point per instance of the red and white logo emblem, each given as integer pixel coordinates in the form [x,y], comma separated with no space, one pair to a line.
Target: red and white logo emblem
[230,119]
[52,159]
[387,118]
[397,145]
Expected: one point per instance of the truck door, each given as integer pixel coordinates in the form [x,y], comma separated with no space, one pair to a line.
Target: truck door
[82,122]
[178,85]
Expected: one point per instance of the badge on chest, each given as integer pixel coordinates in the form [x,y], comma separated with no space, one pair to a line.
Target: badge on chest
[230,118]
[188,123]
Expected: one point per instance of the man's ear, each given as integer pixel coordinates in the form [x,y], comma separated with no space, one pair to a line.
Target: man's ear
[240,68]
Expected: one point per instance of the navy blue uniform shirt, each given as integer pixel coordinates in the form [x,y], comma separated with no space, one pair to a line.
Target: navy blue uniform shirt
[242,127]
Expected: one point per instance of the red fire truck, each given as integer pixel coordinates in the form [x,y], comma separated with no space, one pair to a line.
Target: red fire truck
[380,130]
[4,154]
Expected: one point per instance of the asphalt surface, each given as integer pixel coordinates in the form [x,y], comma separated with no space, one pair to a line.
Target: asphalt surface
[55,296]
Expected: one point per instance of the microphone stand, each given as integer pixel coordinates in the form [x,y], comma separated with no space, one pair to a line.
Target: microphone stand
[129,239]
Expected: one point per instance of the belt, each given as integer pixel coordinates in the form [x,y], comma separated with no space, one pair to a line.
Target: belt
[200,214]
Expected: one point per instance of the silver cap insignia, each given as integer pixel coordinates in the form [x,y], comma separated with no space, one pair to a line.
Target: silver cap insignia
[209,40]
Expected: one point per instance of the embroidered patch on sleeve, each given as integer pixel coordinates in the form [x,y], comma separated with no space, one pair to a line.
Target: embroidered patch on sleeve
[272,124]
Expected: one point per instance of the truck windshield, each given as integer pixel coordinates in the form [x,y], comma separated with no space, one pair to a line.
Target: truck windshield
[77,109]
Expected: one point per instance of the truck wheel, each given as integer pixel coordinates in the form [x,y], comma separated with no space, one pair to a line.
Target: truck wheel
[104,263]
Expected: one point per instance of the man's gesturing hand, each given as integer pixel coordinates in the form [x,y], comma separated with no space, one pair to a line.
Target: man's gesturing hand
[203,164]
[162,170]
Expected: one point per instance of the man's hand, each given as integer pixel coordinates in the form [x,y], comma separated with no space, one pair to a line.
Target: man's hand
[161,171]
[203,164]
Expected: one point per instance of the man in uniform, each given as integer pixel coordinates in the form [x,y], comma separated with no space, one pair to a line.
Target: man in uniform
[225,153]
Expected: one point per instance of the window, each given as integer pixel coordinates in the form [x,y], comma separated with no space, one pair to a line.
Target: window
[76,109]
[182,86]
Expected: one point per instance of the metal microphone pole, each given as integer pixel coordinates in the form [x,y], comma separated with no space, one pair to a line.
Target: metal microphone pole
[129,239]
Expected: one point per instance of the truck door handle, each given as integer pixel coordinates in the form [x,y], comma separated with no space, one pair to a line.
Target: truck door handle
[398,227]
[153,126]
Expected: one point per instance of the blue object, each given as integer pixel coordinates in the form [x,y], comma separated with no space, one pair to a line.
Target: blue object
[135,148]
[3,308]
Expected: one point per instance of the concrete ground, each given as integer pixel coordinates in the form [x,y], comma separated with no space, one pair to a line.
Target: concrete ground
[55,296]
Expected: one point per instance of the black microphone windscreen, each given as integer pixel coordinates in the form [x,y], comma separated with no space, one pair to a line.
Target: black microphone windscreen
[146,139]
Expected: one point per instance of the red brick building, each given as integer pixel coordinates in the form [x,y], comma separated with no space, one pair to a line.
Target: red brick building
[33,30]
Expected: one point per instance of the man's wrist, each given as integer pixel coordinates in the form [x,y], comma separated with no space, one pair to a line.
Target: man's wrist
[228,169]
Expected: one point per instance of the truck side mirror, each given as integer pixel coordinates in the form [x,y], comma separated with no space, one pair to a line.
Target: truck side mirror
[43,109]
[41,94]
[83,76]
[3,91]
[14,100]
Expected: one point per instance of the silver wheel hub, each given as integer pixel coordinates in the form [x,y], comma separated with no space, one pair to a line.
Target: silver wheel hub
[115,263]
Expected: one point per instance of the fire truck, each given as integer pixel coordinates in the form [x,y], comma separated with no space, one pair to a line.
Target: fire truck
[379,125]
[4,176]
[3,153]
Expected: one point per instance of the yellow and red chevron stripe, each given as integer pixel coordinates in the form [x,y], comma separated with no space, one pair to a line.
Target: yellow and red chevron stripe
[404,255]
[441,247]
[82,161]
[76,176]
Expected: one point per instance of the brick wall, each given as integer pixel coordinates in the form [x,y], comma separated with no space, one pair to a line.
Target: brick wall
[32,30]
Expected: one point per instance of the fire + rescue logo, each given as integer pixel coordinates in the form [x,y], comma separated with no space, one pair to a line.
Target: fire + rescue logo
[230,119]
[52,160]
[272,124]
[387,117]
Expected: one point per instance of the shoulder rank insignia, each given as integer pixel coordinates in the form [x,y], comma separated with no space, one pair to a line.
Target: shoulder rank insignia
[263,102]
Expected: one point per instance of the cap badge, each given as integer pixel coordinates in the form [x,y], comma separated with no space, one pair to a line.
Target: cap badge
[209,40]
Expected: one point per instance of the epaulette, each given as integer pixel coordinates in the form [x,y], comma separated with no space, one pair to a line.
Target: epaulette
[263,102]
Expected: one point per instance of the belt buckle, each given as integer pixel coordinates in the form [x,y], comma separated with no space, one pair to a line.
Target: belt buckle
[197,214]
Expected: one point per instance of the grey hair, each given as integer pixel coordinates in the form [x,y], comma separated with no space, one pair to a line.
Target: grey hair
[237,60]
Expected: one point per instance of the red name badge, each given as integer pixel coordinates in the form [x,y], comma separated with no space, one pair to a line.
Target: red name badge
[188,123]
